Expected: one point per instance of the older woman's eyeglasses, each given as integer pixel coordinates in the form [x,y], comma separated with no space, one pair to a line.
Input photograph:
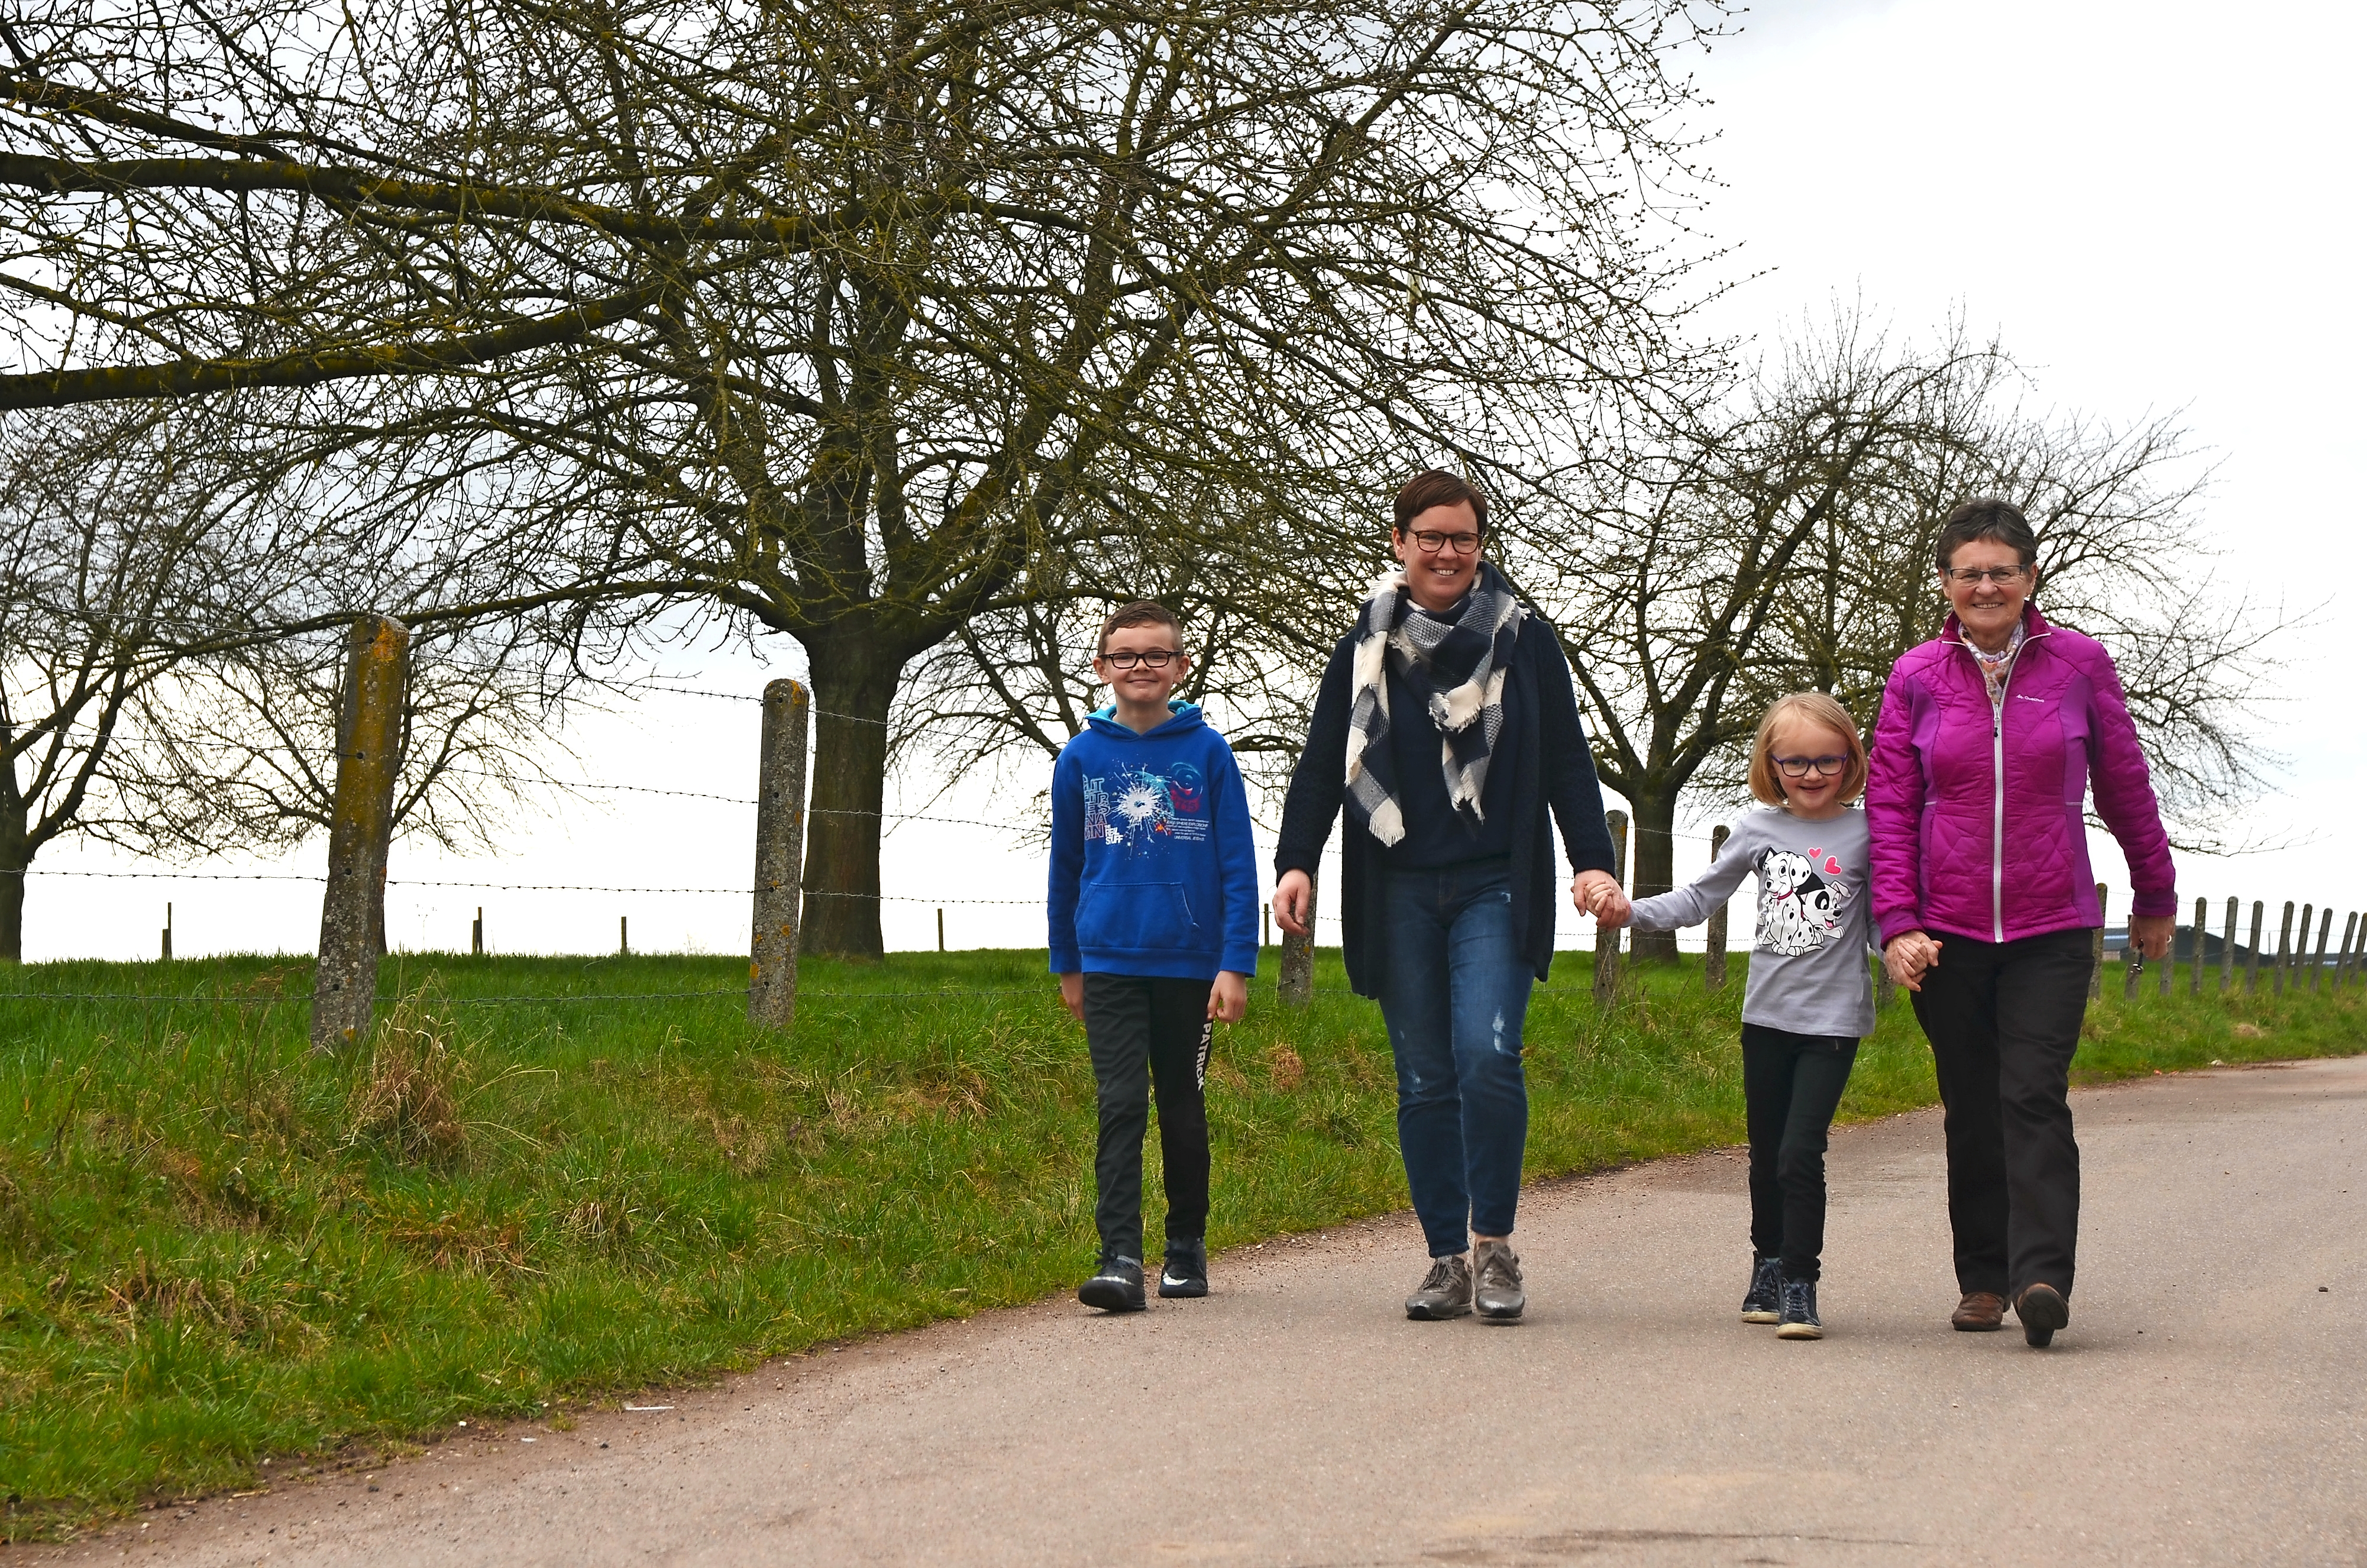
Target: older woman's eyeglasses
[1431,543]
[1968,575]
[1801,767]
[1148,658]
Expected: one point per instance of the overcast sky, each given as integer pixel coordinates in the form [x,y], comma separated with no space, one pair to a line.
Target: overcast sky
[2156,206]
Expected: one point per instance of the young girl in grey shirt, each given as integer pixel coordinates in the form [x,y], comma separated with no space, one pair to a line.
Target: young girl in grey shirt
[1811,994]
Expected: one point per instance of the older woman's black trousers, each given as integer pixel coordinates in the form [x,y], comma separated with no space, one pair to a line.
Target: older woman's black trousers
[2003,1019]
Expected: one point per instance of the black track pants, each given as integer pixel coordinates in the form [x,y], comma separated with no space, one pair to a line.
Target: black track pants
[1790,1085]
[2003,1019]
[1142,1030]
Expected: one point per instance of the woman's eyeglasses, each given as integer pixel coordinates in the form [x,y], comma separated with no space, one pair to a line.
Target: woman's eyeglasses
[1148,658]
[1431,543]
[1968,575]
[1801,767]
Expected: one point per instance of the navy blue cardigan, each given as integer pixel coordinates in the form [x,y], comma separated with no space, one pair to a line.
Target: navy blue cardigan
[1553,768]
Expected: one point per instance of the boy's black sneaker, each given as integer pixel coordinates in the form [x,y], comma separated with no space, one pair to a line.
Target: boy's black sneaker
[1186,1270]
[1116,1287]
[1799,1320]
[1763,1303]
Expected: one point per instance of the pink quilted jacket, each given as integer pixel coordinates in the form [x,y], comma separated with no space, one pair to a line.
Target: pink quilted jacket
[1978,819]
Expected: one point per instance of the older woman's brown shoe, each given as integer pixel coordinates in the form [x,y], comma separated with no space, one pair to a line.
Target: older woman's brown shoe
[1981,1311]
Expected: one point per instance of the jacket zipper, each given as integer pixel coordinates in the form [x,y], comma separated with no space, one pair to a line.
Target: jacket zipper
[1997,782]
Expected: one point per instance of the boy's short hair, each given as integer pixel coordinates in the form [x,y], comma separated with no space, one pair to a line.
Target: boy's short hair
[1436,487]
[1766,785]
[1141,612]
[1986,516]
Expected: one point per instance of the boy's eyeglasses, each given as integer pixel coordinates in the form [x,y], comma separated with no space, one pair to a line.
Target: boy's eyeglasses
[1968,575]
[1148,658]
[1801,767]
[1431,543]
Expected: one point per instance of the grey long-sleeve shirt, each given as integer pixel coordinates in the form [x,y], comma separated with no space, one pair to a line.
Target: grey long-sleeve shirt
[1808,970]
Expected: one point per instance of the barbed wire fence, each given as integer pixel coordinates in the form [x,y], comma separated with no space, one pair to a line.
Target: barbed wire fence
[351,939]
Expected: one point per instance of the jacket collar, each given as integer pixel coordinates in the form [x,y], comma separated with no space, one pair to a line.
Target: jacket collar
[2033,626]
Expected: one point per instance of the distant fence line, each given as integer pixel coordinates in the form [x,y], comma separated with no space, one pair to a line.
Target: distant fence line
[360,841]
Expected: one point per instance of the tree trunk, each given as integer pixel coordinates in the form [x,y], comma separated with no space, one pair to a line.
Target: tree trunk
[855,680]
[15,856]
[1655,863]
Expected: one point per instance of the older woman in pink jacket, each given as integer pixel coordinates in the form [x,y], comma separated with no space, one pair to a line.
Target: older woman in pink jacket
[1990,738]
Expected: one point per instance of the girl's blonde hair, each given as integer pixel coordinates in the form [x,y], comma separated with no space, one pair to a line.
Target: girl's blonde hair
[1766,784]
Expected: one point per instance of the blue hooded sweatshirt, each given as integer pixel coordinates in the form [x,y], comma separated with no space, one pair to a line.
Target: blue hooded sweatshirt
[1153,872]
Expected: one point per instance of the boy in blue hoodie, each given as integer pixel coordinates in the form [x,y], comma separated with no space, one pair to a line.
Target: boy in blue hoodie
[1154,937]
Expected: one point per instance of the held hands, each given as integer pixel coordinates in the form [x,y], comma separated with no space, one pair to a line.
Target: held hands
[1598,894]
[2152,933]
[1908,956]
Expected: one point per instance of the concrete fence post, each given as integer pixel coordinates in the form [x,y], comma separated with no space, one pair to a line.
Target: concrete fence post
[780,855]
[2169,960]
[2324,930]
[2285,951]
[1295,976]
[2133,962]
[2252,966]
[1713,960]
[361,825]
[1607,938]
[2342,964]
[2301,945]
[2096,965]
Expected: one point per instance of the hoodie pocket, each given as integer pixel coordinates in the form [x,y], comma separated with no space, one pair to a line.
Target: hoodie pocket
[1137,917]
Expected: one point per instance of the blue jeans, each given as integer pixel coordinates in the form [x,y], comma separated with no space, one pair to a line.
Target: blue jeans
[1455,995]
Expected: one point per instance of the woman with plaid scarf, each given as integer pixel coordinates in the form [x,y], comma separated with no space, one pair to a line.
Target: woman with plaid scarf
[1446,727]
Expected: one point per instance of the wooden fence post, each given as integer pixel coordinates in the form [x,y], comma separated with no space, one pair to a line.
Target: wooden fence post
[780,855]
[2194,975]
[1713,960]
[1294,980]
[2169,960]
[477,934]
[361,823]
[2095,969]
[624,947]
[2132,960]
[2285,951]
[168,931]
[2252,968]
[2324,930]
[2227,951]
[1607,938]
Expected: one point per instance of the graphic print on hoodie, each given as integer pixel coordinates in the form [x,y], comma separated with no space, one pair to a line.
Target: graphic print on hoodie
[1153,871]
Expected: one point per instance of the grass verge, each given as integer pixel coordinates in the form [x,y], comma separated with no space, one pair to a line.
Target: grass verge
[217,1250]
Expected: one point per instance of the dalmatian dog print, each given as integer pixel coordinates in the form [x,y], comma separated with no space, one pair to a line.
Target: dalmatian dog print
[1801,900]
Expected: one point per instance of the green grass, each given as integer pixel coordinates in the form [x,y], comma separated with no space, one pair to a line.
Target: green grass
[215,1247]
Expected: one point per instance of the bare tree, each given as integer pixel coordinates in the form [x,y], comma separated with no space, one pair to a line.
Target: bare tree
[1785,542]
[850,323]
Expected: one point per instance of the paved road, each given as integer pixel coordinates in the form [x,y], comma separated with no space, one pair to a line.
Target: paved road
[2208,1403]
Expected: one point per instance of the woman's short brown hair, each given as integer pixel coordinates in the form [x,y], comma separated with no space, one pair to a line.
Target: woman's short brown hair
[1766,784]
[1436,487]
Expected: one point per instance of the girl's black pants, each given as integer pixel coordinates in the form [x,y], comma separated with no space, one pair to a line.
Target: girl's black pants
[1790,1085]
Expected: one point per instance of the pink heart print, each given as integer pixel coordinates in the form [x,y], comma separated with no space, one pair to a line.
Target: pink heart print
[1832,866]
